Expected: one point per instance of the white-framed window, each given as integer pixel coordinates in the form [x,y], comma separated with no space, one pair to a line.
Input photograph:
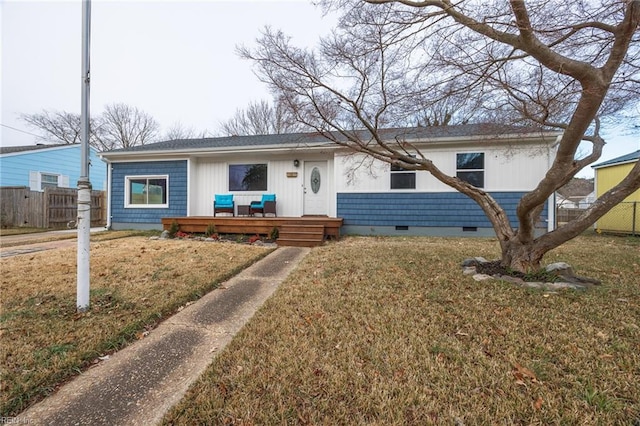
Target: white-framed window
[48,180]
[39,181]
[247,177]
[402,178]
[470,168]
[147,191]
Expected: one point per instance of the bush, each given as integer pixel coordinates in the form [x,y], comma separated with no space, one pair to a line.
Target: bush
[274,234]
[173,229]
[210,231]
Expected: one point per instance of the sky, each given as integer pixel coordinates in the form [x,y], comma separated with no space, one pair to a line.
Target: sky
[175,60]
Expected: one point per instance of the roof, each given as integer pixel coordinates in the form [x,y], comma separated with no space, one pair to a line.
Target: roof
[628,158]
[293,140]
[26,148]
[577,188]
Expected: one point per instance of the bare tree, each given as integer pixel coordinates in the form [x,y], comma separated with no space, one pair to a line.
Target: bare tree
[57,126]
[124,126]
[261,118]
[119,126]
[551,63]
[179,131]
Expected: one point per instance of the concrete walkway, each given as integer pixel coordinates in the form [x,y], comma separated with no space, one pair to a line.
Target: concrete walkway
[139,384]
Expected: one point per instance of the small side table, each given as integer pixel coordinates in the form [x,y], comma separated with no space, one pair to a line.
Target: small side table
[244,210]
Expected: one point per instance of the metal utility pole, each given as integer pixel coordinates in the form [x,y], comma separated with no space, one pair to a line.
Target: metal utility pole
[84,184]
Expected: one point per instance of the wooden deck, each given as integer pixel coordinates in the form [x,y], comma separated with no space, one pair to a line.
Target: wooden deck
[253,225]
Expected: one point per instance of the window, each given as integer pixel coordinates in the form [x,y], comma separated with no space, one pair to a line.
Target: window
[247,177]
[402,178]
[470,168]
[147,191]
[48,181]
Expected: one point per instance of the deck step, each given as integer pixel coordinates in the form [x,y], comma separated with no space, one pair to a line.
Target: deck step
[301,235]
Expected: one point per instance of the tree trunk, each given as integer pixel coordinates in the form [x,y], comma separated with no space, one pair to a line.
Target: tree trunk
[522,256]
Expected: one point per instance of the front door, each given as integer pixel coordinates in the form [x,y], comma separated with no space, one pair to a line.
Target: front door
[315,188]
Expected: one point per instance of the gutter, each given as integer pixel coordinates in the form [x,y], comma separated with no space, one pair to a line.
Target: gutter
[324,145]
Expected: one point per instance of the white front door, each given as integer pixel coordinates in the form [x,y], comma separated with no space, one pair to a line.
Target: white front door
[315,188]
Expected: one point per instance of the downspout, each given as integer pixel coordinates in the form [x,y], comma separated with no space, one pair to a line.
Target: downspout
[189,187]
[109,177]
[551,210]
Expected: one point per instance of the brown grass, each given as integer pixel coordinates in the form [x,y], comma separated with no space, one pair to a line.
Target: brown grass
[39,236]
[135,283]
[388,331]
[20,231]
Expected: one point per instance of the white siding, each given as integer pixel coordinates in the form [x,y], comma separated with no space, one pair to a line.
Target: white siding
[210,176]
[506,169]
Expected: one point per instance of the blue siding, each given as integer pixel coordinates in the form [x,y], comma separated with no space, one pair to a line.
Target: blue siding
[441,209]
[15,168]
[177,172]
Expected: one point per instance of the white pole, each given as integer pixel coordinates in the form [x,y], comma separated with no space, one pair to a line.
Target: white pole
[84,184]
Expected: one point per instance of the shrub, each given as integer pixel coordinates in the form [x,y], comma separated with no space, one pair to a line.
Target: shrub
[274,234]
[210,231]
[174,228]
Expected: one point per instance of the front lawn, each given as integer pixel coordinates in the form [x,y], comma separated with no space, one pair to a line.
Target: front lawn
[388,331]
[135,283]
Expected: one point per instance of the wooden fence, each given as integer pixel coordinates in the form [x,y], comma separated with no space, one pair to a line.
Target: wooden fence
[566,215]
[55,208]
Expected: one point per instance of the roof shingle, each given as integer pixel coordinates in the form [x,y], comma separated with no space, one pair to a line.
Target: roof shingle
[314,139]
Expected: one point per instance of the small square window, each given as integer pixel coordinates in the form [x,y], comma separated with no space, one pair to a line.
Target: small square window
[48,181]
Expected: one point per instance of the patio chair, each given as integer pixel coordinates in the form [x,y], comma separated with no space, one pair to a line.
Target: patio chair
[267,205]
[223,204]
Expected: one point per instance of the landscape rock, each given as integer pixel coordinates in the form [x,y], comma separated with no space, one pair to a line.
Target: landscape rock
[474,261]
[560,268]
[482,277]
[164,235]
[567,274]
[567,279]
[468,270]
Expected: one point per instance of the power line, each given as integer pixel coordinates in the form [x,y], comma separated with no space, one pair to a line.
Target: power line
[18,130]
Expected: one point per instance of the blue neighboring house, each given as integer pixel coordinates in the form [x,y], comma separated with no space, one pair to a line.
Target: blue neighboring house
[39,166]
[312,176]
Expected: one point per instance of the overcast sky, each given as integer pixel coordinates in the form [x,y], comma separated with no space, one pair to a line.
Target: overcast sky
[175,60]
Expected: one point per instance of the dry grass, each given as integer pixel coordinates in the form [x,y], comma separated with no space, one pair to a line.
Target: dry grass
[135,283]
[42,236]
[20,231]
[388,331]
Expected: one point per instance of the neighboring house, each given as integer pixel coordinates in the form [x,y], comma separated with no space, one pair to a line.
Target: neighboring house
[586,202]
[312,176]
[577,194]
[39,166]
[625,217]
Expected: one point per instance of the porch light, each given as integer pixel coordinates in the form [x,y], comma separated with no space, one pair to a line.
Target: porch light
[296,163]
